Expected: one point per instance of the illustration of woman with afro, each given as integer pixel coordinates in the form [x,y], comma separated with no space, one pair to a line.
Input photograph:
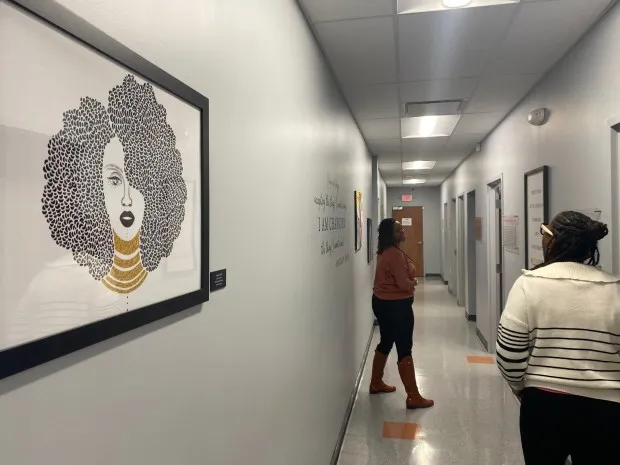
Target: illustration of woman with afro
[115,198]
[114,195]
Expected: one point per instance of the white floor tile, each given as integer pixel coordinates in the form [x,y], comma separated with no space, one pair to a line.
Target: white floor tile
[475,419]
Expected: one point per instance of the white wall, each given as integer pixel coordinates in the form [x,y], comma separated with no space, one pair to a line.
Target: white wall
[582,94]
[429,198]
[262,374]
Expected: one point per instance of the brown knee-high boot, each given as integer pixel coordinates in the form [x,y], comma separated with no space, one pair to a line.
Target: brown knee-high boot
[407,374]
[377,386]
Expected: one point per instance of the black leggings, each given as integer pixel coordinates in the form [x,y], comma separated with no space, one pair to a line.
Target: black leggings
[554,426]
[396,320]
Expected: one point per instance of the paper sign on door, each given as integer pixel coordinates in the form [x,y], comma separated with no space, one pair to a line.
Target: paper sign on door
[407,222]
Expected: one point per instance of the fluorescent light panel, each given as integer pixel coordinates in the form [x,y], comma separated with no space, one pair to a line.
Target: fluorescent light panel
[428,126]
[406,7]
[411,181]
[418,165]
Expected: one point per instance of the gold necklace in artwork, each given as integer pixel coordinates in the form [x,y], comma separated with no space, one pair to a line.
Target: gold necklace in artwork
[127,273]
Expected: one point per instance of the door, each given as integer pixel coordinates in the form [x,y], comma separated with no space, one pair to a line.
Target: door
[412,219]
[460,248]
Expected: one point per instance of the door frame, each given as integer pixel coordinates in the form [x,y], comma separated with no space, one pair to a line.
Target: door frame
[495,258]
[470,254]
[614,126]
[452,250]
[444,245]
[460,250]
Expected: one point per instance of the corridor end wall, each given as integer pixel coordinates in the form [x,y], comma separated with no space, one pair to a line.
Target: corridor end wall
[261,374]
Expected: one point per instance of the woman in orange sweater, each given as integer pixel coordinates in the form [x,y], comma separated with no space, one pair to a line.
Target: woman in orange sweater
[392,302]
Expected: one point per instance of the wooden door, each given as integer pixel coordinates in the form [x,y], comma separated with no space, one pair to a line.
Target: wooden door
[412,219]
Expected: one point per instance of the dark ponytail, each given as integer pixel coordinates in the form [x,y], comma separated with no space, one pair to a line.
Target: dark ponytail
[575,239]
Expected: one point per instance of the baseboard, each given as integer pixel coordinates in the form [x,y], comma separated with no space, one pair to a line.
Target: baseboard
[347,415]
[469,317]
[482,339]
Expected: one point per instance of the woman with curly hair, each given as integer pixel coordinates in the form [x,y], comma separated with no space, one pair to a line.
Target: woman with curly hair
[114,197]
[392,302]
[114,193]
[558,346]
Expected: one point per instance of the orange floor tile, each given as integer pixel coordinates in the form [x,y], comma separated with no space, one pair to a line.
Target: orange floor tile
[480,359]
[400,430]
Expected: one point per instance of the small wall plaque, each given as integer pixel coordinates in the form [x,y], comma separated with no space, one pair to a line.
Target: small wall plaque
[218,280]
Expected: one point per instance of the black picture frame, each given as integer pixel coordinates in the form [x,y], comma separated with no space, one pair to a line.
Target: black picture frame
[544,170]
[369,239]
[23,357]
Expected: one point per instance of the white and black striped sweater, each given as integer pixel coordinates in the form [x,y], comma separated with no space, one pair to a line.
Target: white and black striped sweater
[560,330]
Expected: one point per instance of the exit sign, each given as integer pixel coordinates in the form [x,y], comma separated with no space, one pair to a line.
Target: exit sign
[407,198]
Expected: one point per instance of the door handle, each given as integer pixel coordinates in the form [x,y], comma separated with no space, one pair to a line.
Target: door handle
[420,243]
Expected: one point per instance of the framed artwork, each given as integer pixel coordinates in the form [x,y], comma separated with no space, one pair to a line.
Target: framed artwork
[359,228]
[536,189]
[369,244]
[107,162]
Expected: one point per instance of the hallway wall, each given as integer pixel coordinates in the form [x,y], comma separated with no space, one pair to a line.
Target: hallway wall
[582,94]
[262,374]
[429,198]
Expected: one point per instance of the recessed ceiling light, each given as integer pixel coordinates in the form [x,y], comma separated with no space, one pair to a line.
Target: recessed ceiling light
[414,181]
[428,126]
[418,165]
[422,6]
[456,3]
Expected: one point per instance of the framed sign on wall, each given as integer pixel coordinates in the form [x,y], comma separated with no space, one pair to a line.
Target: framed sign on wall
[106,157]
[536,185]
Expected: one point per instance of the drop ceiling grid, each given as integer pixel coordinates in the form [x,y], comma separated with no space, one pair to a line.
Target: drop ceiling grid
[366,44]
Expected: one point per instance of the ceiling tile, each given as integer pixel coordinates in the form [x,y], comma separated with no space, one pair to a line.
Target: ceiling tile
[384,146]
[390,168]
[478,123]
[423,146]
[438,156]
[500,93]
[450,44]
[463,144]
[391,157]
[392,179]
[440,89]
[330,10]
[374,101]
[387,128]
[542,33]
[361,51]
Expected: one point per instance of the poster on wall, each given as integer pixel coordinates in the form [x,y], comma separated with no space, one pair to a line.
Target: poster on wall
[536,185]
[359,228]
[510,237]
[108,157]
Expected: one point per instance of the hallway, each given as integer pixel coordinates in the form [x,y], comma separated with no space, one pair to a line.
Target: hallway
[475,419]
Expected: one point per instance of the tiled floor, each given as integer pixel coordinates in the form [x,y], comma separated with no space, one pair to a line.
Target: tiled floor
[475,419]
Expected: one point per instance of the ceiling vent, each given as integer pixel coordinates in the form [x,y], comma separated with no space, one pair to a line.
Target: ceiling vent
[435,108]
